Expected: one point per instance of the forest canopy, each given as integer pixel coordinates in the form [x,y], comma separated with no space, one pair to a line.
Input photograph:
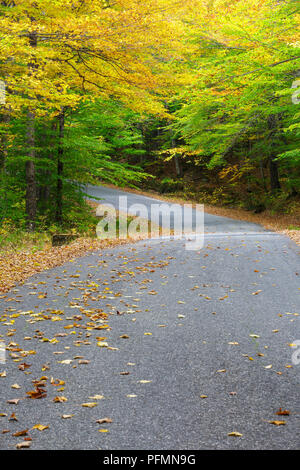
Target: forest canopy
[203,96]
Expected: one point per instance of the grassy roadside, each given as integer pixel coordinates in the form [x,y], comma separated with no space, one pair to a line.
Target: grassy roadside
[281,223]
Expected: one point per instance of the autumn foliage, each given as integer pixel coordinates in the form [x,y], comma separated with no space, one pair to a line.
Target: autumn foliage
[115,90]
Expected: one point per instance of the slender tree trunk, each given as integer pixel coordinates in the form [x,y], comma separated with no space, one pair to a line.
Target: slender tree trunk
[142,143]
[31,196]
[274,176]
[5,118]
[59,186]
[31,203]
[178,168]
[273,167]
[45,188]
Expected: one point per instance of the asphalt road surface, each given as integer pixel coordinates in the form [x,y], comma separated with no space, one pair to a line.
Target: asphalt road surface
[196,345]
[212,223]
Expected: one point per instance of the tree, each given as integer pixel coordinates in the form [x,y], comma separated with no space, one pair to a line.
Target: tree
[240,105]
[107,49]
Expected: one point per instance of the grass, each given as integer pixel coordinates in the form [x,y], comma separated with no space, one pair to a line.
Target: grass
[17,240]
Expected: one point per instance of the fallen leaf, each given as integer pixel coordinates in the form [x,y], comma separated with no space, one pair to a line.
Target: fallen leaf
[14,401]
[23,366]
[97,397]
[37,393]
[40,427]
[23,445]
[282,412]
[20,433]
[60,399]
[104,420]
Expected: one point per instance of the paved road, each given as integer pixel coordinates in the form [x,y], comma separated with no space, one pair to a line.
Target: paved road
[212,223]
[214,323]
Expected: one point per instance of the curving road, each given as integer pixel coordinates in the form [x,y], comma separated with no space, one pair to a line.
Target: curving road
[212,223]
[196,344]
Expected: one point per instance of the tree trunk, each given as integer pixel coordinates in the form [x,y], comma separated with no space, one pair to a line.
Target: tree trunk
[273,167]
[274,176]
[45,188]
[5,118]
[178,168]
[30,175]
[262,175]
[31,197]
[59,186]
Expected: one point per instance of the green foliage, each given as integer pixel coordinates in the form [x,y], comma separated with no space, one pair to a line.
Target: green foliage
[239,117]
[101,143]
[169,185]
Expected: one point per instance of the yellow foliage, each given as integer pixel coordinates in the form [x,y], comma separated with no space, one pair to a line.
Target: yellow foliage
[55,53]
